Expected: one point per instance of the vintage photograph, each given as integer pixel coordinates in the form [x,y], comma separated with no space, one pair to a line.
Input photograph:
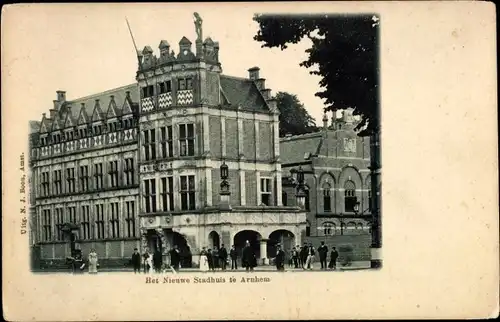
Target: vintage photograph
[189,168]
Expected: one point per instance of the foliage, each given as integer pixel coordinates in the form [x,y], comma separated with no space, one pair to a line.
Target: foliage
[294,118]
[344,53]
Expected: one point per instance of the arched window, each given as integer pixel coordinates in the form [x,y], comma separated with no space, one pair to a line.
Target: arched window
[306,199]
[328,228]
[327,199]
[284,198]
[350,198]
[308,228]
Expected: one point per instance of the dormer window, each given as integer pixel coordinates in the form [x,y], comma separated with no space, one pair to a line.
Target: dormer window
[56,138]
[69,136]
[97,130]
[43,141]
[83,132]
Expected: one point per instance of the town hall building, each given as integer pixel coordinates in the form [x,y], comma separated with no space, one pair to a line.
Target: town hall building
[185,156]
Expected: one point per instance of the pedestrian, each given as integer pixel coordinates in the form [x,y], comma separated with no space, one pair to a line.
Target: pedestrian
[248,259]
[210,260]
[157,261]
[333,258]
[93,262]
[304,250]
[145,258]
[203,260]
[323,253]
[215,257]
[310,257]
[136,261]
[280,259]
[175,258]
[223,257]
[234,257]
[295,257]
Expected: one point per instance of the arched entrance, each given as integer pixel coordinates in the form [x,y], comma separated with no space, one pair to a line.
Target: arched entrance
[185,250]
[240,240]
[213,240]
[154,241]
[283,237]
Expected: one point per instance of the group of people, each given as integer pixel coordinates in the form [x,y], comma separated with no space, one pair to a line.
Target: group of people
[78,264]
[303,257]
[154,262]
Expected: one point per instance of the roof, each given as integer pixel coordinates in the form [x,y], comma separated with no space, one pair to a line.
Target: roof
[293,149]
[34,126]
[243,92]
[104,99]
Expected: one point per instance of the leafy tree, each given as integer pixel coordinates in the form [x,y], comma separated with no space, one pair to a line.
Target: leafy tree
[294,118]
[344,50]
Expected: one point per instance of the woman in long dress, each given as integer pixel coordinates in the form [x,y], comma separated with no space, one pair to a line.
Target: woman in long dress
[203,260]
[93,262]
[149,262]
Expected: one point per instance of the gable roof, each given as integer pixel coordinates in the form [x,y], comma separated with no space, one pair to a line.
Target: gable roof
[97,114]
[243,92]
[113,110]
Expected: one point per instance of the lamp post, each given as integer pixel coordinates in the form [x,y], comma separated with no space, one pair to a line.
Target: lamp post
[225,192]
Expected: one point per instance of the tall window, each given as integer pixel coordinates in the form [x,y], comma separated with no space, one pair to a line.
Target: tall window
[327,199]
[188,201]
[130,218]
[70,179]
[69,135]
[167,193]
[186,139]
[165,87]
[306,199]
[265,191]
[150,195]
[98,176]
[57,182]
[56,138]
[185,83]
[284,198]
[72,214]
[370,199]
[127,123]
[99,222]
[84,178]
[149,144]
[97,129]
[113,126]
[45,183]
[43,141]
[113,174]
[59,223]
[350,198]
[47,225]
[82,133]
[328,228]
[129,171]
[166,142]
[147,91]
[86,222]
[114,221]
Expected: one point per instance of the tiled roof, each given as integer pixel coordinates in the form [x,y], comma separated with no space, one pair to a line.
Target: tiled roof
[34,126]
[243,92]
[104,99]
[293,149]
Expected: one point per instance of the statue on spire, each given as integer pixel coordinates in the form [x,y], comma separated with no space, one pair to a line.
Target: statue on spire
[197,24]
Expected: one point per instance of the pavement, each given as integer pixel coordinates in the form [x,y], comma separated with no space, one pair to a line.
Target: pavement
[358,265]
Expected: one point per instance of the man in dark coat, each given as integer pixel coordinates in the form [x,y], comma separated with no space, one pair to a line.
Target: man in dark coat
[223,257]
[248,259]
[144,259]
[136,261]
[295,256]
[280,259]
[234,256]
[215,257]
[157,261]
[323,253]
[333,258]
[175,257]
[304,251]
[210,260]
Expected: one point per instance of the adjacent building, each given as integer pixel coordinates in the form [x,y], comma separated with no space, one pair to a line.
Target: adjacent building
[185,156]
[335,163]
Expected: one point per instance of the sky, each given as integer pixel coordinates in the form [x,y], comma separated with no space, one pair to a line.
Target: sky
[86,49]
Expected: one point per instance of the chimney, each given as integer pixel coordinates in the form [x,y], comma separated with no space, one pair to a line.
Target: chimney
[52,113]
[253,73]
[44,114]
[56,104]
[273,104]
[61,96]
[261,83]
[266,93]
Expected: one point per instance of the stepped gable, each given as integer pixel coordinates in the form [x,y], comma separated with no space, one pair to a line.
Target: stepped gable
[242,92]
